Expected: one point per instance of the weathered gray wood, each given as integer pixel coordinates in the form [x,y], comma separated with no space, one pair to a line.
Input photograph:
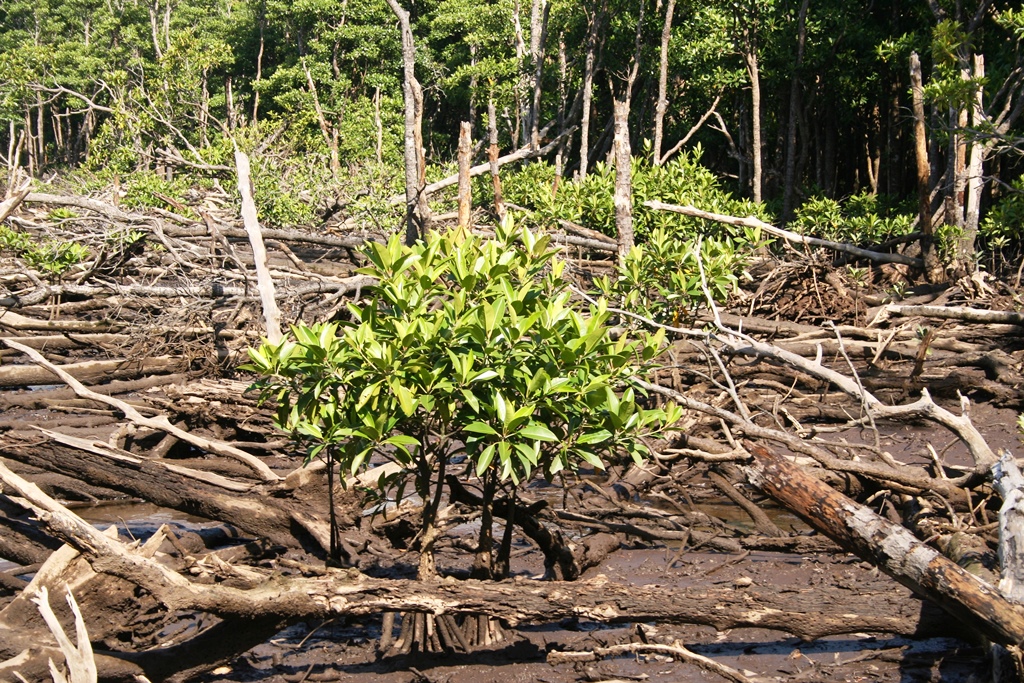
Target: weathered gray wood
[751,222]
[264,282]
[891,547]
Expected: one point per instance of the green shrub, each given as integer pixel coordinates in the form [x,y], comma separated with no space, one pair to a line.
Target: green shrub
[661,278]
[52,256]
[864,218]
[1006,218]
[468,348]
[589,202]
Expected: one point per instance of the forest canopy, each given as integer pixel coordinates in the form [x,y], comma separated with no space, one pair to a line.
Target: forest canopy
[792,103]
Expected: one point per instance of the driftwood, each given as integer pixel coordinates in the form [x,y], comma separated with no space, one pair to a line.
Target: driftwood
[265,283]
[88,371]
[965,314]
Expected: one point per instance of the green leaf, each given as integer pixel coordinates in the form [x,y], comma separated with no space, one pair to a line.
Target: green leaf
[484,460]
[480,428]
[600,436]
[538,432]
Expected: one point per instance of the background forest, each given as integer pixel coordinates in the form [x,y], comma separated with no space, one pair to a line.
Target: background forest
[803,107]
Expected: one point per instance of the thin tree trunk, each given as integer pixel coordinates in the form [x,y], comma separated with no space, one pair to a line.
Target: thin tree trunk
[522,112]
[154,29]
[659,110]
[378,125]
[229,96]
[259,65]
[492,154]
[975,169]
[204,108]
[789,181]
[588,88]
[330,136]
[30,144]
[465,162]
[755,114]
[623,179]
[562,74]
[538,39]
[928,253]
[414,220]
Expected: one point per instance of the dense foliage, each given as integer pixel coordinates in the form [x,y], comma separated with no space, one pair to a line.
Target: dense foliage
[467,350]
[313,90]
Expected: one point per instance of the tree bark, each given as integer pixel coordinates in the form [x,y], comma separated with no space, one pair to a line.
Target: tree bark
[932,268]
[891,547]
[465,161]
[662,105]
[753,70]
[589,64]
[623,198]
[538,39]
[492,154]
[975,169]
[412,94]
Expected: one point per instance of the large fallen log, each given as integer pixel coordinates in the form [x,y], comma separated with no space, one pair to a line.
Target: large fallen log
[963,313]
[891,547]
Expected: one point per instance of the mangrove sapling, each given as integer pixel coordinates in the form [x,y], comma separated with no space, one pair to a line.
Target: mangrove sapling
[466,348]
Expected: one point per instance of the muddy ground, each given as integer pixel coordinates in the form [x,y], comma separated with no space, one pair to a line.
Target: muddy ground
[174,343]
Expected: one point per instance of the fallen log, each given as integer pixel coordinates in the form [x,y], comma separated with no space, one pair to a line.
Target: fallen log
[349,592]
[257,514]
[892,548]
[90,371]
[962,313]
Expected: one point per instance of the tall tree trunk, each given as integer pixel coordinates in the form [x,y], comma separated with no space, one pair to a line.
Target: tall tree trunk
[538,39]
[659,110]
[259,63]
[623,179]
[492,154]
[204,108]
[789,181]
[928,254]
[975,168]
[563,68]
[378,125]
[412,94]
[589,63]
[229,101]
[522,108]
[465,161]
[753,71]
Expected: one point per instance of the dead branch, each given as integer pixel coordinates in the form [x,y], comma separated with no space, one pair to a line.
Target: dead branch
[751,222]
[265,283]
[160,422]
[675,650]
